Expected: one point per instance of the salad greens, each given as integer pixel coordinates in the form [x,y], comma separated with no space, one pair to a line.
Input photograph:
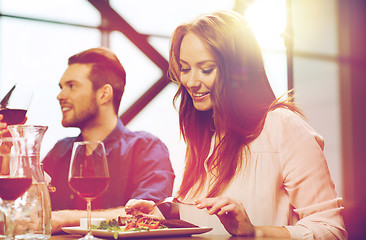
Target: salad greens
[113,226]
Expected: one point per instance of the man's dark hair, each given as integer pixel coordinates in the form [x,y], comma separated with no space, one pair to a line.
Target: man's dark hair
[106,69]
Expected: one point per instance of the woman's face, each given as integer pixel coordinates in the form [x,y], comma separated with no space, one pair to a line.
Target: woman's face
[198,71]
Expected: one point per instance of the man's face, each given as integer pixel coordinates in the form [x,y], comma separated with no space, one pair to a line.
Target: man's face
[77,98]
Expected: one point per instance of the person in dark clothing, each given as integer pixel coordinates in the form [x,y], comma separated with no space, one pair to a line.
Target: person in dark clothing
[91,90]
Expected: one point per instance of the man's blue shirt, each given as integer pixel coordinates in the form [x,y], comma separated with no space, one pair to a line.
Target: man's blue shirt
[139,167]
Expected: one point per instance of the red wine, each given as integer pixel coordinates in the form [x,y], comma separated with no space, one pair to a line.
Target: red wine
[13,116]
[13,187]
[89,187]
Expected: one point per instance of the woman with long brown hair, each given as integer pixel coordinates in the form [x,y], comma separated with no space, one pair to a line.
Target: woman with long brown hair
[251,159]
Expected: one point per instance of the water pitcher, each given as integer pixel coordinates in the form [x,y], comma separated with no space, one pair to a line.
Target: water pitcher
[34,215]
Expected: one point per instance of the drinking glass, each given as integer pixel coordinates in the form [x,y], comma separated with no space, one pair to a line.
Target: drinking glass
[15,177]
[88,174]
[15,103]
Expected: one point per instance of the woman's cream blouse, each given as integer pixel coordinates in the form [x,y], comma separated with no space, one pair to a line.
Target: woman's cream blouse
[285,182]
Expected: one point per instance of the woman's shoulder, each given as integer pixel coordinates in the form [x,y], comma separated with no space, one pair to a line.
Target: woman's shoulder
[281,122]
[283,113]
[289,124]
[283,116]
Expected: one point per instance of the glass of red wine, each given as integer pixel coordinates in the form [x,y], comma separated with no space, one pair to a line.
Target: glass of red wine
[15,103]
[88,174]
[15,178]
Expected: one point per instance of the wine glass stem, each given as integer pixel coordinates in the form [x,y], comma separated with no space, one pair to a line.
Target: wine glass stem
[88,208]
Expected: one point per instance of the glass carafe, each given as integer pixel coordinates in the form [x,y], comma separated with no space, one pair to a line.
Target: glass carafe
[34,216]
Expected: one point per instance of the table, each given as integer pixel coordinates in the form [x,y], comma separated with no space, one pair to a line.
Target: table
[193,237]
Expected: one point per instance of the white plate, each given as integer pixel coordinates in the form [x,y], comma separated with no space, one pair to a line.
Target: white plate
[151,233]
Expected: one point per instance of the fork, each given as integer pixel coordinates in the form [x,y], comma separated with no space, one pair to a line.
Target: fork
[171,200]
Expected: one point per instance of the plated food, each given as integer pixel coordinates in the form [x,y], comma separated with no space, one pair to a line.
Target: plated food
[139,222]
[164,232]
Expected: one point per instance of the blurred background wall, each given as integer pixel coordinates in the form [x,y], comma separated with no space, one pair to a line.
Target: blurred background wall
[326,67]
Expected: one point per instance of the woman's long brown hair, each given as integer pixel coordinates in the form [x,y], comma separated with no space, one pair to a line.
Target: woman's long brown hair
[241,96]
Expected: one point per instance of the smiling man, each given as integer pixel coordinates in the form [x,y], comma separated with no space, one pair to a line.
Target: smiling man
[91,90]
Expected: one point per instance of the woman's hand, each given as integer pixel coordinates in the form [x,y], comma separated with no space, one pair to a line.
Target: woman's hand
[145,206]
[231,213]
